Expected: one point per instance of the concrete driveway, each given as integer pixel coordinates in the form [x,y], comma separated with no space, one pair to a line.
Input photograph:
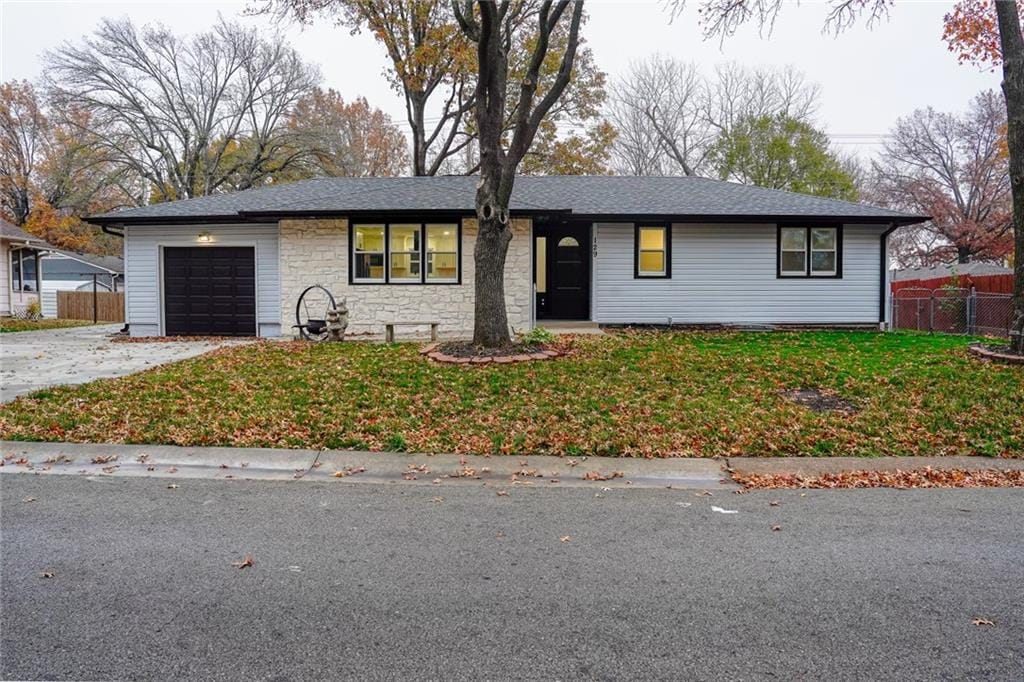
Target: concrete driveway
[30,361]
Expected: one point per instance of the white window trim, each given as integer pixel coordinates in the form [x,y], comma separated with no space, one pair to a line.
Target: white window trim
[423,253]
[834,251]
[357,252]
[391,254]
[802,272]
[427,253]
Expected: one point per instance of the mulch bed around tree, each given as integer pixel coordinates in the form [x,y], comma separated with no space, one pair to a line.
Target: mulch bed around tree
[819,400]
[995,353]
[915,478]
[466,353]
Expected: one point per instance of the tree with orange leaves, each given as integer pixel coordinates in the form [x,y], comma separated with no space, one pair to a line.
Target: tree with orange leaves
[972,33]
[51,175]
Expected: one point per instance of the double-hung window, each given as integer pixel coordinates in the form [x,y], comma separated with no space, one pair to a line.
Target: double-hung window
[442,252]
[810,252]
[368,253]
[652,251]
[405,253]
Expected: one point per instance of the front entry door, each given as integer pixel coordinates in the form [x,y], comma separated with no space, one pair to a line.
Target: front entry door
[567,276]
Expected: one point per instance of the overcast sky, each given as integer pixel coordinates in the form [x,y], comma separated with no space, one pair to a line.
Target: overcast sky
[869,78]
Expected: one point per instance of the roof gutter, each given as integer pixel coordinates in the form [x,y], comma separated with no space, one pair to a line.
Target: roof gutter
[106,223]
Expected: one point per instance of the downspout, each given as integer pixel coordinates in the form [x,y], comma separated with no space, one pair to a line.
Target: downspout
[883,270]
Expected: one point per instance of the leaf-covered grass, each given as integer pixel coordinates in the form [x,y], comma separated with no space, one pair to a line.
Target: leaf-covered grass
[13,324]
[641,394]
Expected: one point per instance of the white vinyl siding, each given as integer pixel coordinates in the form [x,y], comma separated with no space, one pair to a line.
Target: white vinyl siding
[142,249]
[726,274]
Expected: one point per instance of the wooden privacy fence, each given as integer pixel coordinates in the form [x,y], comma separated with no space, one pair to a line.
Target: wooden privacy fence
[79,305]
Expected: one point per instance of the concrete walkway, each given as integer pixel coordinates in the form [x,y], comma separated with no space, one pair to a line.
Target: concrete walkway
[33,360]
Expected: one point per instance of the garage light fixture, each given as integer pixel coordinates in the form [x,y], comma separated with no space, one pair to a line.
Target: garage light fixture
[204,238]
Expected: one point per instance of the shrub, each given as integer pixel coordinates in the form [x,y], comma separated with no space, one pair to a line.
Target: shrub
[538,336]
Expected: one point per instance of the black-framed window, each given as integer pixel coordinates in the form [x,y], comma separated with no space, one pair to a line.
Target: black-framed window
[652,251]
[405,252]
[809,251]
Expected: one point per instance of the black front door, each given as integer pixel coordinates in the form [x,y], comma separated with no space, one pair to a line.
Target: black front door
[566,276]
[210,291]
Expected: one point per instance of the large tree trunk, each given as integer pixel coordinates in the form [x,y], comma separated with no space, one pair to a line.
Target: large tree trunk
[419,146]
[1012,44]
[490,323]
[497,165]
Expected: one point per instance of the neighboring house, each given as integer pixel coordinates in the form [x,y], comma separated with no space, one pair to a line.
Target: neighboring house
[70,271]
[20,255]
[611,250]
[983,277]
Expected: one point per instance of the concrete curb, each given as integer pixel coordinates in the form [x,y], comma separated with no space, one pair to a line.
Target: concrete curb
[354,466]
[434,469]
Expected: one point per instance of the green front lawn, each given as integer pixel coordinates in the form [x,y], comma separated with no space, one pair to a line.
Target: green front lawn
[642,393]
[13,324]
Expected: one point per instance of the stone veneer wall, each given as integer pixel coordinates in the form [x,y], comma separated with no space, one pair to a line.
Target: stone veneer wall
[316,252]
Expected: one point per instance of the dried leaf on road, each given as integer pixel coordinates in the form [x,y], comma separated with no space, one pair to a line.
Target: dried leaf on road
[47,574]
[565,538]
[103,459]
[773,503]
[776,527]
[598,476]
[437,499]
[502,493]
[348,471]
[29,499]
[246,562]
[983,621]
[173,486]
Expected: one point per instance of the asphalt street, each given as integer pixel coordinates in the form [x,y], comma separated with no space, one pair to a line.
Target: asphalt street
[386,581]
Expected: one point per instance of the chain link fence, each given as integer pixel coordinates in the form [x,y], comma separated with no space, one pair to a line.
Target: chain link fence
[952,311]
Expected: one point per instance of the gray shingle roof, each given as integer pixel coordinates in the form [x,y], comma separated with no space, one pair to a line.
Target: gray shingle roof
[944,270]
[13,232]
[80,261]
[593,196]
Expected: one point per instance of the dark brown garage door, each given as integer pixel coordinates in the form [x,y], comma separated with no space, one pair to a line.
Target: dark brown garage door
[210,291]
